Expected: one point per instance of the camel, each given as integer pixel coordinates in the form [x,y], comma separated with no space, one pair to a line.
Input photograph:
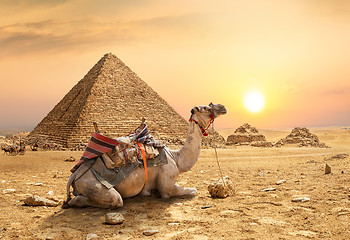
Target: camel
[91,193]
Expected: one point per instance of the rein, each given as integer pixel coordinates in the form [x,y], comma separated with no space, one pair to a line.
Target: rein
[203,129]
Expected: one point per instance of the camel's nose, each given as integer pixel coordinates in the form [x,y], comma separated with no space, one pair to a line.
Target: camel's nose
[224,111]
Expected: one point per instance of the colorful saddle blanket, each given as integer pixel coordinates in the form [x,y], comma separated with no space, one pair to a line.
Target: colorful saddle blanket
[124,149]
[109,178]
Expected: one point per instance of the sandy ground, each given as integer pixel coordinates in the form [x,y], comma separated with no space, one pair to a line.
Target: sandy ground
[249,214]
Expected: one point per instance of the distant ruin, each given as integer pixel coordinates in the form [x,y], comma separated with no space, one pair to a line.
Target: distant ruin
[301,137]
[247,135]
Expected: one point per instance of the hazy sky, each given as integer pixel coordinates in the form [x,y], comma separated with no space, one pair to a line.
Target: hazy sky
[192,52]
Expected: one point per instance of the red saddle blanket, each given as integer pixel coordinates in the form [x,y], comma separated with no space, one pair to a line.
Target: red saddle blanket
[100,144]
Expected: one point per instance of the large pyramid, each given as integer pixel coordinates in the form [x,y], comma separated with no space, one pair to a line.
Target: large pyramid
[117,99]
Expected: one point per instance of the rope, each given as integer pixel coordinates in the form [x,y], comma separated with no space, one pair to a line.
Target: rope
[216,155]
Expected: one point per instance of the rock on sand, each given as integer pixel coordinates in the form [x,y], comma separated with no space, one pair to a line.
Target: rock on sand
[221,190]
[39,201]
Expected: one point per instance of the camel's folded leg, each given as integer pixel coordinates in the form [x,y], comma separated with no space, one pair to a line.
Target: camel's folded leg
[177,191]
[94,194]
[167,185]
[82,201]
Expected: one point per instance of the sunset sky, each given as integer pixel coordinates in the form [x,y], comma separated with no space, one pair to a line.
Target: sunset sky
[294,53]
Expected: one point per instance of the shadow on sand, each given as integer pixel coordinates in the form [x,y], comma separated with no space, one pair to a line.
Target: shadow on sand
[140,213]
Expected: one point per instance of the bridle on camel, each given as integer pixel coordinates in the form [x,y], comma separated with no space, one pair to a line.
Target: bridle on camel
[201,123]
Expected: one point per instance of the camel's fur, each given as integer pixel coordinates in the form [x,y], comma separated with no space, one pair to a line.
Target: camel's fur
[163,178]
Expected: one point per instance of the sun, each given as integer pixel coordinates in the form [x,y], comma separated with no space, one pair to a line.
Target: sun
[254,101]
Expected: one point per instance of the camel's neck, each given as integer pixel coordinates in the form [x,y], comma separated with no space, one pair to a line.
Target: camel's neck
[188,155]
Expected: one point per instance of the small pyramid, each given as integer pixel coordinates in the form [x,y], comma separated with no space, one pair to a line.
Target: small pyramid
[301,137]
[248,135]
[117,99]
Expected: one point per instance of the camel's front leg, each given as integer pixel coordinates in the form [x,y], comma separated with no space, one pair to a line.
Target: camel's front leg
[176,191]
[183,191]
[167,185]
[94,194]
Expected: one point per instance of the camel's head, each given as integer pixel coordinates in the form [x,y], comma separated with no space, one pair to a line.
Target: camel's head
[204,115]
[211,110]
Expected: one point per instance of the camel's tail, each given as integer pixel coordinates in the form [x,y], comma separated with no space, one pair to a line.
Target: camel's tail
[65,204]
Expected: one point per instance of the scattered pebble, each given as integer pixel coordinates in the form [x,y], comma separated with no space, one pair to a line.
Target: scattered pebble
[91,236]
[3,181]
[205,207]
[150,232]
[50,193]
[70,159]
[9,190]
[301,199]
[114,218]
[268,189]
[173,224]
[280,182]
[38,184]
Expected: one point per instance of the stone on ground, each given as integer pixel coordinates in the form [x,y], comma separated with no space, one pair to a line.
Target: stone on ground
[39,201]
[221,189]
[114,218]
[327,169]
[150,232]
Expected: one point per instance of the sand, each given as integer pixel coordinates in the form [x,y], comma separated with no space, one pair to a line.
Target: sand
[260,208]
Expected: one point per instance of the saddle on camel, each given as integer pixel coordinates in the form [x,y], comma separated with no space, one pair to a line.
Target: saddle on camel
[111,160]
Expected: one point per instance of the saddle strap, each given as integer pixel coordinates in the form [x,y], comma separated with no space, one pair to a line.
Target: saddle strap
[144,161]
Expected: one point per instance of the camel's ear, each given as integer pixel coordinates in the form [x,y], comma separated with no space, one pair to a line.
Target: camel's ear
[193,111]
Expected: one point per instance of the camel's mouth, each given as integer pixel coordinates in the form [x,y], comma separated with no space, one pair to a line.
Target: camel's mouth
[223,111]
[218,109]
